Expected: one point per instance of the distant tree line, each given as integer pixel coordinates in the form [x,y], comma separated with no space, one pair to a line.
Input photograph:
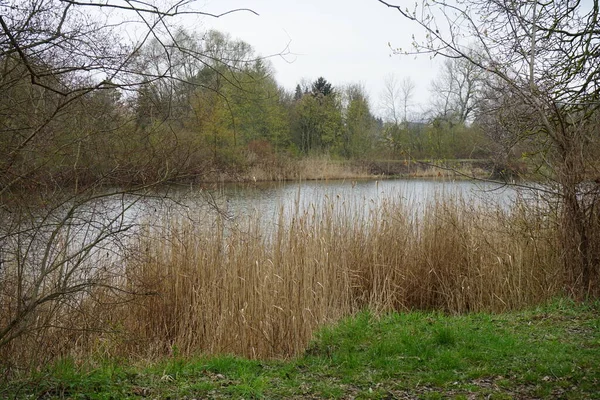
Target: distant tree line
[213,107]
[225,112]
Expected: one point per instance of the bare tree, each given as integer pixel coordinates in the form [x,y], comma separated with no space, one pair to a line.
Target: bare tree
[407,91]
[390,99]
[64,65]
[545,54]
[396,102]
[454,90]
[391,107]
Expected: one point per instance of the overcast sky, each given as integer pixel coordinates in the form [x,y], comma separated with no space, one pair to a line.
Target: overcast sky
[345,41]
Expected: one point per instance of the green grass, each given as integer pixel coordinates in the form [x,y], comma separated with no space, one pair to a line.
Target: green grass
[548,352]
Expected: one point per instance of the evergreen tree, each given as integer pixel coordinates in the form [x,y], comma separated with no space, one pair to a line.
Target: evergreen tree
[322,87]
[298,93]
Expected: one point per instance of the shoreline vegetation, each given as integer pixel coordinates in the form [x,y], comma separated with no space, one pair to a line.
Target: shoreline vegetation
[548,351]
[327,168]
[215,288]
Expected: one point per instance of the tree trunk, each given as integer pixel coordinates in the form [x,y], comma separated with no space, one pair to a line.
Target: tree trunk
[575,229]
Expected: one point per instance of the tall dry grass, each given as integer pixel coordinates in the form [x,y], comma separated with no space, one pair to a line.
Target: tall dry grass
[262,292]
[316,167]
[263,295]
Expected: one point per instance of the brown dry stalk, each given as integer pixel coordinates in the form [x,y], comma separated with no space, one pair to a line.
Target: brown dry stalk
[260,294]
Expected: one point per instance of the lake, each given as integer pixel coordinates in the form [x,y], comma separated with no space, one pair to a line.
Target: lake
[108,223]
[267,200]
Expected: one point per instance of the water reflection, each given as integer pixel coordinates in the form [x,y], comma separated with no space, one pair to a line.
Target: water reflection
[268,201]
[105,227]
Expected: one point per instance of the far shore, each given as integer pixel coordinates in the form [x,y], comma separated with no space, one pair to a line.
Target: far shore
[325,168]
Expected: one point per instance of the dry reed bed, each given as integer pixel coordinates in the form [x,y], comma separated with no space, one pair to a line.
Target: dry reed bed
[311,168]
[261,293]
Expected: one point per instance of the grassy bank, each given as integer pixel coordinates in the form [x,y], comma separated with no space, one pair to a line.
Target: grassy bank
[544,352]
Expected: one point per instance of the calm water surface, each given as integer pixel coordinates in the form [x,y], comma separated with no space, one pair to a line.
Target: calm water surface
[267,201]
[107,225]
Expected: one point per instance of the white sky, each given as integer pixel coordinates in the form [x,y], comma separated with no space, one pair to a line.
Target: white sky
[345,41]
